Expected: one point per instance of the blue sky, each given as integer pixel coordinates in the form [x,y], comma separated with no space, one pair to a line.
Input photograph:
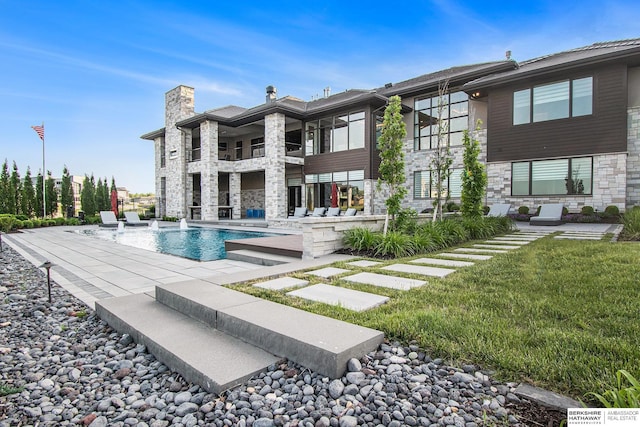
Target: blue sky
[95,72]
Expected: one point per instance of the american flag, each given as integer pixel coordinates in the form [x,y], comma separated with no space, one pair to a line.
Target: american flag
[39,130]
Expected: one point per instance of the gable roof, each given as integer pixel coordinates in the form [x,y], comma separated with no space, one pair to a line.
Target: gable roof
[587,55]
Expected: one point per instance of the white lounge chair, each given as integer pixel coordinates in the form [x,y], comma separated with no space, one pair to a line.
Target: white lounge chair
[499,209]
[550,214]
[350,212]
[333,212]
[133,219]
[108,219]
[319,212]
[298,213]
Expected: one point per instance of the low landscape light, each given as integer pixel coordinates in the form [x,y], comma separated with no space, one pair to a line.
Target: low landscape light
[48,265]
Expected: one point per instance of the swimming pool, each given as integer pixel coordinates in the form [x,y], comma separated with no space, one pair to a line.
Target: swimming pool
[202,244]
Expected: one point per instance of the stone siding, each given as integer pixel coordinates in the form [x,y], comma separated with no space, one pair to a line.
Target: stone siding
[633,159]
[322,236]
[274,174]
[609,183]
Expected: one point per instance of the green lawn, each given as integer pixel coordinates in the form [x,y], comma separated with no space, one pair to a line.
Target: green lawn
[559,314]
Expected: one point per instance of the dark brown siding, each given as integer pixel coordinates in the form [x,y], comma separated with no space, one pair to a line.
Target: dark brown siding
[362,158]
[604,131]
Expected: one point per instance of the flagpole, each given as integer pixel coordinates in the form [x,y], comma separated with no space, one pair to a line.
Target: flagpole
[44,174]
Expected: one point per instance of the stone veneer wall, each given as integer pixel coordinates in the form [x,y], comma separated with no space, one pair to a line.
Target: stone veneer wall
[322,236]
[252,199]
[179,104]
[274,174]
[633,158]
[609,184]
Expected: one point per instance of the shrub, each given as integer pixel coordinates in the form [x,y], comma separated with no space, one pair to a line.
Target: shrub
[432,232]
[7,222]
[59,220]
[94,219]
[423,242]
[501,224]
[622,396]
[17,224]
[611,210]
[406,221]
[170,218]
[452,207]
[587,210]
[22,217]
[395,244]
[478,228]
[361,239]
[453,231]
[27,224]
[538,210]
[565,211]
[631,221]
[36,222]
[72,221]
[523,210]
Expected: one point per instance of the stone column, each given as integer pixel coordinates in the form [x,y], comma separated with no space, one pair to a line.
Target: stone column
[179,105]
[275,187]
[235,194]
[633,158]
[209,168]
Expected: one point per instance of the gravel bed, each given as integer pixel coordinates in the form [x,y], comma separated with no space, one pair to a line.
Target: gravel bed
[73,369]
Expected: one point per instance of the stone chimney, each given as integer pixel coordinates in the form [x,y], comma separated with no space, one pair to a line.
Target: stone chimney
[271,94]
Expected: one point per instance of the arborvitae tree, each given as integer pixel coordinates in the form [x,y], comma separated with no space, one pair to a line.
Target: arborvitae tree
[66,190]
[87,196]
[391,168]
[38,204]
[100,196]
[106,201]
[113,184]
[52,195]
[4,188]
[27,200]
[474,177]
[14,190]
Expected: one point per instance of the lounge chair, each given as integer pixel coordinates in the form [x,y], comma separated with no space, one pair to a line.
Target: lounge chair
[550,214]
[333,212]
[298,213]
[499,209]
[350,212]
[108,219]
[133,219]
[319,212]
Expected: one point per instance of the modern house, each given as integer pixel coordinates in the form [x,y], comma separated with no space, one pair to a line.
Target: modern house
[560,128]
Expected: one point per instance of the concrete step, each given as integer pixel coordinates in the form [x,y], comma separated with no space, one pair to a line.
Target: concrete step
[201,354]
[317,342]
[259,258]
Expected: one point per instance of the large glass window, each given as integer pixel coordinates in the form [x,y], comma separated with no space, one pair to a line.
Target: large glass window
[449,114]
[552,177]
[424,184]
[336,133]
[349,189]
[558,100]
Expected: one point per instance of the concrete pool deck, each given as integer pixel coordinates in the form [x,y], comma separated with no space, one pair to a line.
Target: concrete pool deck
[94,269]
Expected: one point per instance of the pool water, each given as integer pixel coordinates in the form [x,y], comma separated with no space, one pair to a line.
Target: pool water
[202,244]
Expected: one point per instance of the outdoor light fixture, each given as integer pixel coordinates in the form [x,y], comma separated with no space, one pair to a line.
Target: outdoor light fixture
[48,265]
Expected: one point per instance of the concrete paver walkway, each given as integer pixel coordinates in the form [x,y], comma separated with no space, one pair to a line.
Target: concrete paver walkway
[343,297]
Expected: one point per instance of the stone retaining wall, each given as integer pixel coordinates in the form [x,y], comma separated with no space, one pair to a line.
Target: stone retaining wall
[322,236]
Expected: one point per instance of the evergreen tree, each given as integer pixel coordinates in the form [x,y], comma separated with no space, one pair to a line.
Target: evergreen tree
[52,195]
[391,168]
[66,190]
[4,188]
[38,202]
[107,195]
[113,184]
[14,190]
[27,200]
[88,197]
[100,196]
[474,178]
